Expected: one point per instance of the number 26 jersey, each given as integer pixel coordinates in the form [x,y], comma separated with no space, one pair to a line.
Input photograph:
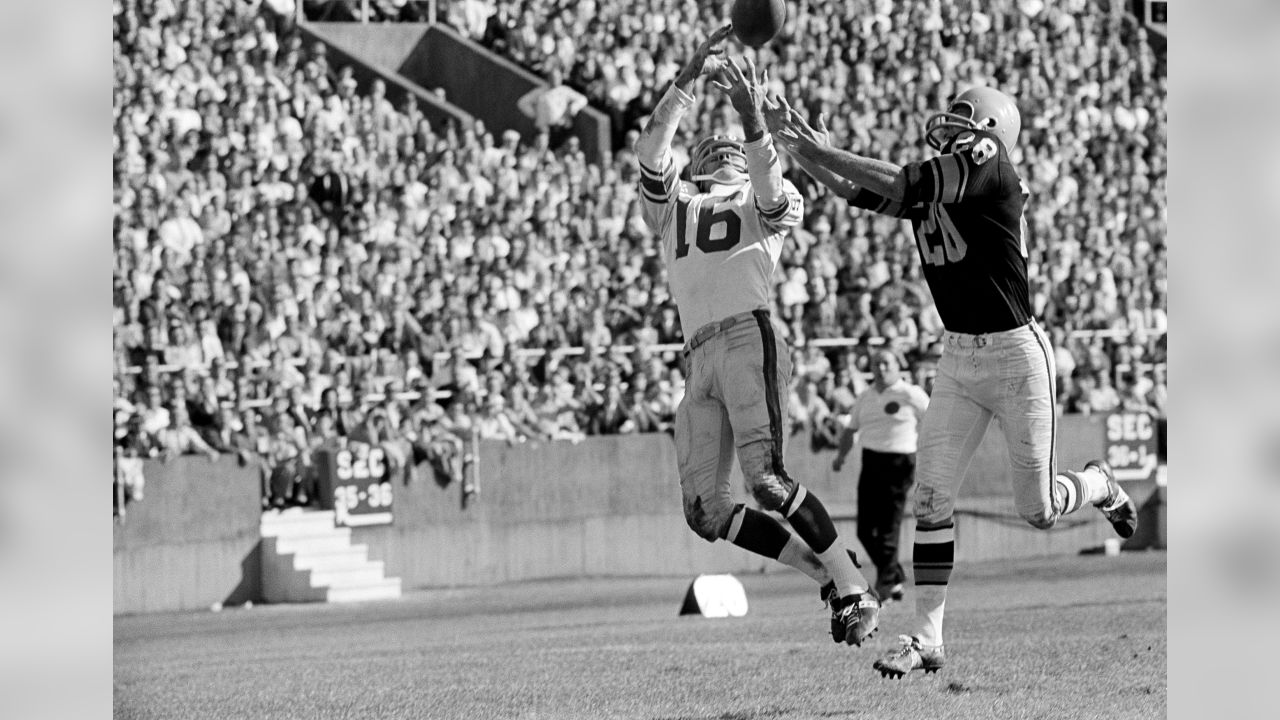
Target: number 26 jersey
[720,248]
[966,211]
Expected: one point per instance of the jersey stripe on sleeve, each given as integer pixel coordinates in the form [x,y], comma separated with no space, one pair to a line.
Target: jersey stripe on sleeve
[788,213]
[659,187]
[950,177]
[877,203]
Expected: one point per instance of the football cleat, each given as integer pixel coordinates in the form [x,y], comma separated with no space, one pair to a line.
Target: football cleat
[854,618]
[826,592]
[910,655]
[1117,507]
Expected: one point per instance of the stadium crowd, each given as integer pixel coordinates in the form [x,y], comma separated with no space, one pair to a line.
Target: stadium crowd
[299,264]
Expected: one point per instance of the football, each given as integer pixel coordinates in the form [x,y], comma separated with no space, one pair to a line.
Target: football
[756,22]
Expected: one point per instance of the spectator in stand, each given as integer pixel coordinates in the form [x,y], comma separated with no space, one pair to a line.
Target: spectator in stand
[809,413]
[1130,395]
[179,438]
[640,410]
[553,108]
[128,481]
[493,423]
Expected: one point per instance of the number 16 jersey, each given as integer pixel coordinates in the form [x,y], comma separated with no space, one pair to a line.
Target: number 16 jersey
[720,247]
[966,211]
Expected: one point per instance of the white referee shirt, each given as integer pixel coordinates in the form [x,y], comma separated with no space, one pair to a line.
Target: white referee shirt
[888,421]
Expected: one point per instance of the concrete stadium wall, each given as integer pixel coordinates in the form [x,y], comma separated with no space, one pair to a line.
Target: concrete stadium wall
[489,86]
[609,506]
[475,81]
[192,540]
[375,56]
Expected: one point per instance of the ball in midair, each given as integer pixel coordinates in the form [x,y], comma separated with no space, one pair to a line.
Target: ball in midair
[756,22]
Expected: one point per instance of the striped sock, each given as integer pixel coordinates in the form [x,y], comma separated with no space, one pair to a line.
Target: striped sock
[848,580]
[1069,492]
[759,533]
[809,518]
[933,558]
[799,556]
[1079,488]
[754,531]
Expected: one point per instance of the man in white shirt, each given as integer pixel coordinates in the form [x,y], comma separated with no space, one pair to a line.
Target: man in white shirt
[887,415]
[552,108]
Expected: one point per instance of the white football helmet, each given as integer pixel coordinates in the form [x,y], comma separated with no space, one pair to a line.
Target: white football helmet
[718,160]
[978,108]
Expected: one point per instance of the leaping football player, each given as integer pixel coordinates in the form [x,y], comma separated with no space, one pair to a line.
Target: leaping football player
[966,209]
[721,246]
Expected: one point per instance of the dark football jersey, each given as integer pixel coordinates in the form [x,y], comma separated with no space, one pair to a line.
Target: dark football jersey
[965,208]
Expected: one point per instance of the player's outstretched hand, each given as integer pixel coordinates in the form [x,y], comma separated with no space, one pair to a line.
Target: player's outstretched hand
[703,60]
[775,112]
[796,134]
[744,90]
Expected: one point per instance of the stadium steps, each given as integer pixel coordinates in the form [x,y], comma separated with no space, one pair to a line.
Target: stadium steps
[306,557]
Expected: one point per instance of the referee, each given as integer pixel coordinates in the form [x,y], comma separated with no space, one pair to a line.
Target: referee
[887,416]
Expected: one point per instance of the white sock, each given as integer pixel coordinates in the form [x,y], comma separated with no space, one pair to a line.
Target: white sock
[930,603]
[798,555]
[1095,484]
[845,574]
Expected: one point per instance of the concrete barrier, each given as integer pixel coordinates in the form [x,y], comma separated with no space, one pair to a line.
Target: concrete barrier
[193,539]
[609,506]
[373,56]
[475,81]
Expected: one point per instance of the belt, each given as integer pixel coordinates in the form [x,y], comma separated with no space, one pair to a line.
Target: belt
[971,340]
[711,329]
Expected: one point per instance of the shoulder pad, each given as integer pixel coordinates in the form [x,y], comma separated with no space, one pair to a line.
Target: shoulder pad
[984,150]
[980,145]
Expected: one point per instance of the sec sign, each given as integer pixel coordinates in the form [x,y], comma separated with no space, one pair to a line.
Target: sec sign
[1131,445]
[354,484]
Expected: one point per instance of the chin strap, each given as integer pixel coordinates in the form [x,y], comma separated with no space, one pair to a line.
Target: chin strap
[722,176]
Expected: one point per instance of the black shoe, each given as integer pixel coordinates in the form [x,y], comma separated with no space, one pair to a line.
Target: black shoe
[1117,507]
[854,618]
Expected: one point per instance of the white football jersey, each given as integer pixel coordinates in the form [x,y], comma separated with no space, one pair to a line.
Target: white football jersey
[720,247]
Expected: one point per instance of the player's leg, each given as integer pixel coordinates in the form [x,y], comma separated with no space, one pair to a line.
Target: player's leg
[704,450]
[873,506]
[754,373]
[882,497]
[1028,418]
[950,432]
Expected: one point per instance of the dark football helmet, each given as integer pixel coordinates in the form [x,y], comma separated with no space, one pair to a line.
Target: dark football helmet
[978,108]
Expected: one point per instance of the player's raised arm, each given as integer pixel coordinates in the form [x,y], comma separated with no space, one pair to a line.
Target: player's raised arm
[654,142]
[659,183]
[880,177]
[779,115]
[779,205]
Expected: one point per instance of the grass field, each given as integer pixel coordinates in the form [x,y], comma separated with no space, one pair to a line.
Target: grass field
[1074,637]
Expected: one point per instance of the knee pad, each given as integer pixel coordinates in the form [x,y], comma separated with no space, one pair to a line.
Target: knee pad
[1041,520]
[1043,517]
[709,522]
[770,487]
[932,508]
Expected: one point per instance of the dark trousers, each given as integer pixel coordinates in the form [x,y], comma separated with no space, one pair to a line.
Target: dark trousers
[882,495]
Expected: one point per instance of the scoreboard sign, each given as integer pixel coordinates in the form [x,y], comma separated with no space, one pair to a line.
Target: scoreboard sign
[354,484]
[1131,445]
